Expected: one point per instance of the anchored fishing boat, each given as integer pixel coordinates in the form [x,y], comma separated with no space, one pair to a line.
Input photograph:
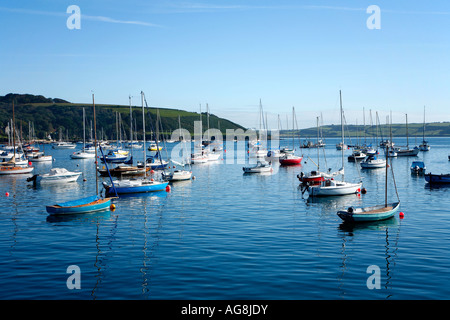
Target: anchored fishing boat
[418,167]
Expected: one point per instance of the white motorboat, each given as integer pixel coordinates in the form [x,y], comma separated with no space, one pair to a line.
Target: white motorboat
[261,166]
[356,156]
[373,162]
[56,175]
[198,158]
[424,146]
[64,145]
[81,154]
[212,156]
[39,157]
[178,175]
[331,187]
[418,167]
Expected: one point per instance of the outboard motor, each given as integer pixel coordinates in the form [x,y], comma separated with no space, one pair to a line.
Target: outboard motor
[32,179]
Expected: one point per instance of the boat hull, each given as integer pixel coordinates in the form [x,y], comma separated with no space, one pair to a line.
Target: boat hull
[138,187]
[437,178]
[57,179]
[373,164]
[407,153]
[85,205]
[340,189]
[41,159]
[370,214]
[291,161]
[15,170]
[180,176]
[257,170]
[82,155]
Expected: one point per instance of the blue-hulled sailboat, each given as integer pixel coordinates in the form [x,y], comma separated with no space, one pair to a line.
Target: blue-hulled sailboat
[127,186]
[88,204]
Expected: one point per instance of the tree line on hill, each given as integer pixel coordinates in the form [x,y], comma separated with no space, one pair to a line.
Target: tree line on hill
[56,117]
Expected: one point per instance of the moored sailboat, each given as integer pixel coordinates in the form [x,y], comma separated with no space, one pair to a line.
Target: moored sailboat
[373,213]
[145,184]
[424,146]
[330,186]
[84,205]
[14,164]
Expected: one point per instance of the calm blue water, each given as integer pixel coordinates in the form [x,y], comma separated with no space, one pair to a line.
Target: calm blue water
[226,235]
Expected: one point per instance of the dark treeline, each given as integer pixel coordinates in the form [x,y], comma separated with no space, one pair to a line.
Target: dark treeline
[56,116]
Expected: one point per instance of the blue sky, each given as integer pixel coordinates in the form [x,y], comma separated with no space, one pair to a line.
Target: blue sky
[230,54]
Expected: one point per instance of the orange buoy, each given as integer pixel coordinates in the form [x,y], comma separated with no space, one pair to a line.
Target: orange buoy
[7,194]
[113,207]
[402,215]
[167,188]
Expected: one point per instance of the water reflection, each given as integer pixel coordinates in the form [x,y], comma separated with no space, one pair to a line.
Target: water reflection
[350,231]
[80,217]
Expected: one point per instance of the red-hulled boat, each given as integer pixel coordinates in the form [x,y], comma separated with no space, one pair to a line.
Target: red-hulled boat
[311,178]
[290,160]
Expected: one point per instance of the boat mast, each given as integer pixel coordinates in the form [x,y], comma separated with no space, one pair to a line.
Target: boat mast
[387,165]
[423,138]
[95,144]
[14,132]
[293,145]
[318,152]
[407,139]
[342,132]
[84,131]
[143,128]
[131,127]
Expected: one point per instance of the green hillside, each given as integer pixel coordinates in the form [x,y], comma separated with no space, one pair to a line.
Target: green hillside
[434,129]
[52,116]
